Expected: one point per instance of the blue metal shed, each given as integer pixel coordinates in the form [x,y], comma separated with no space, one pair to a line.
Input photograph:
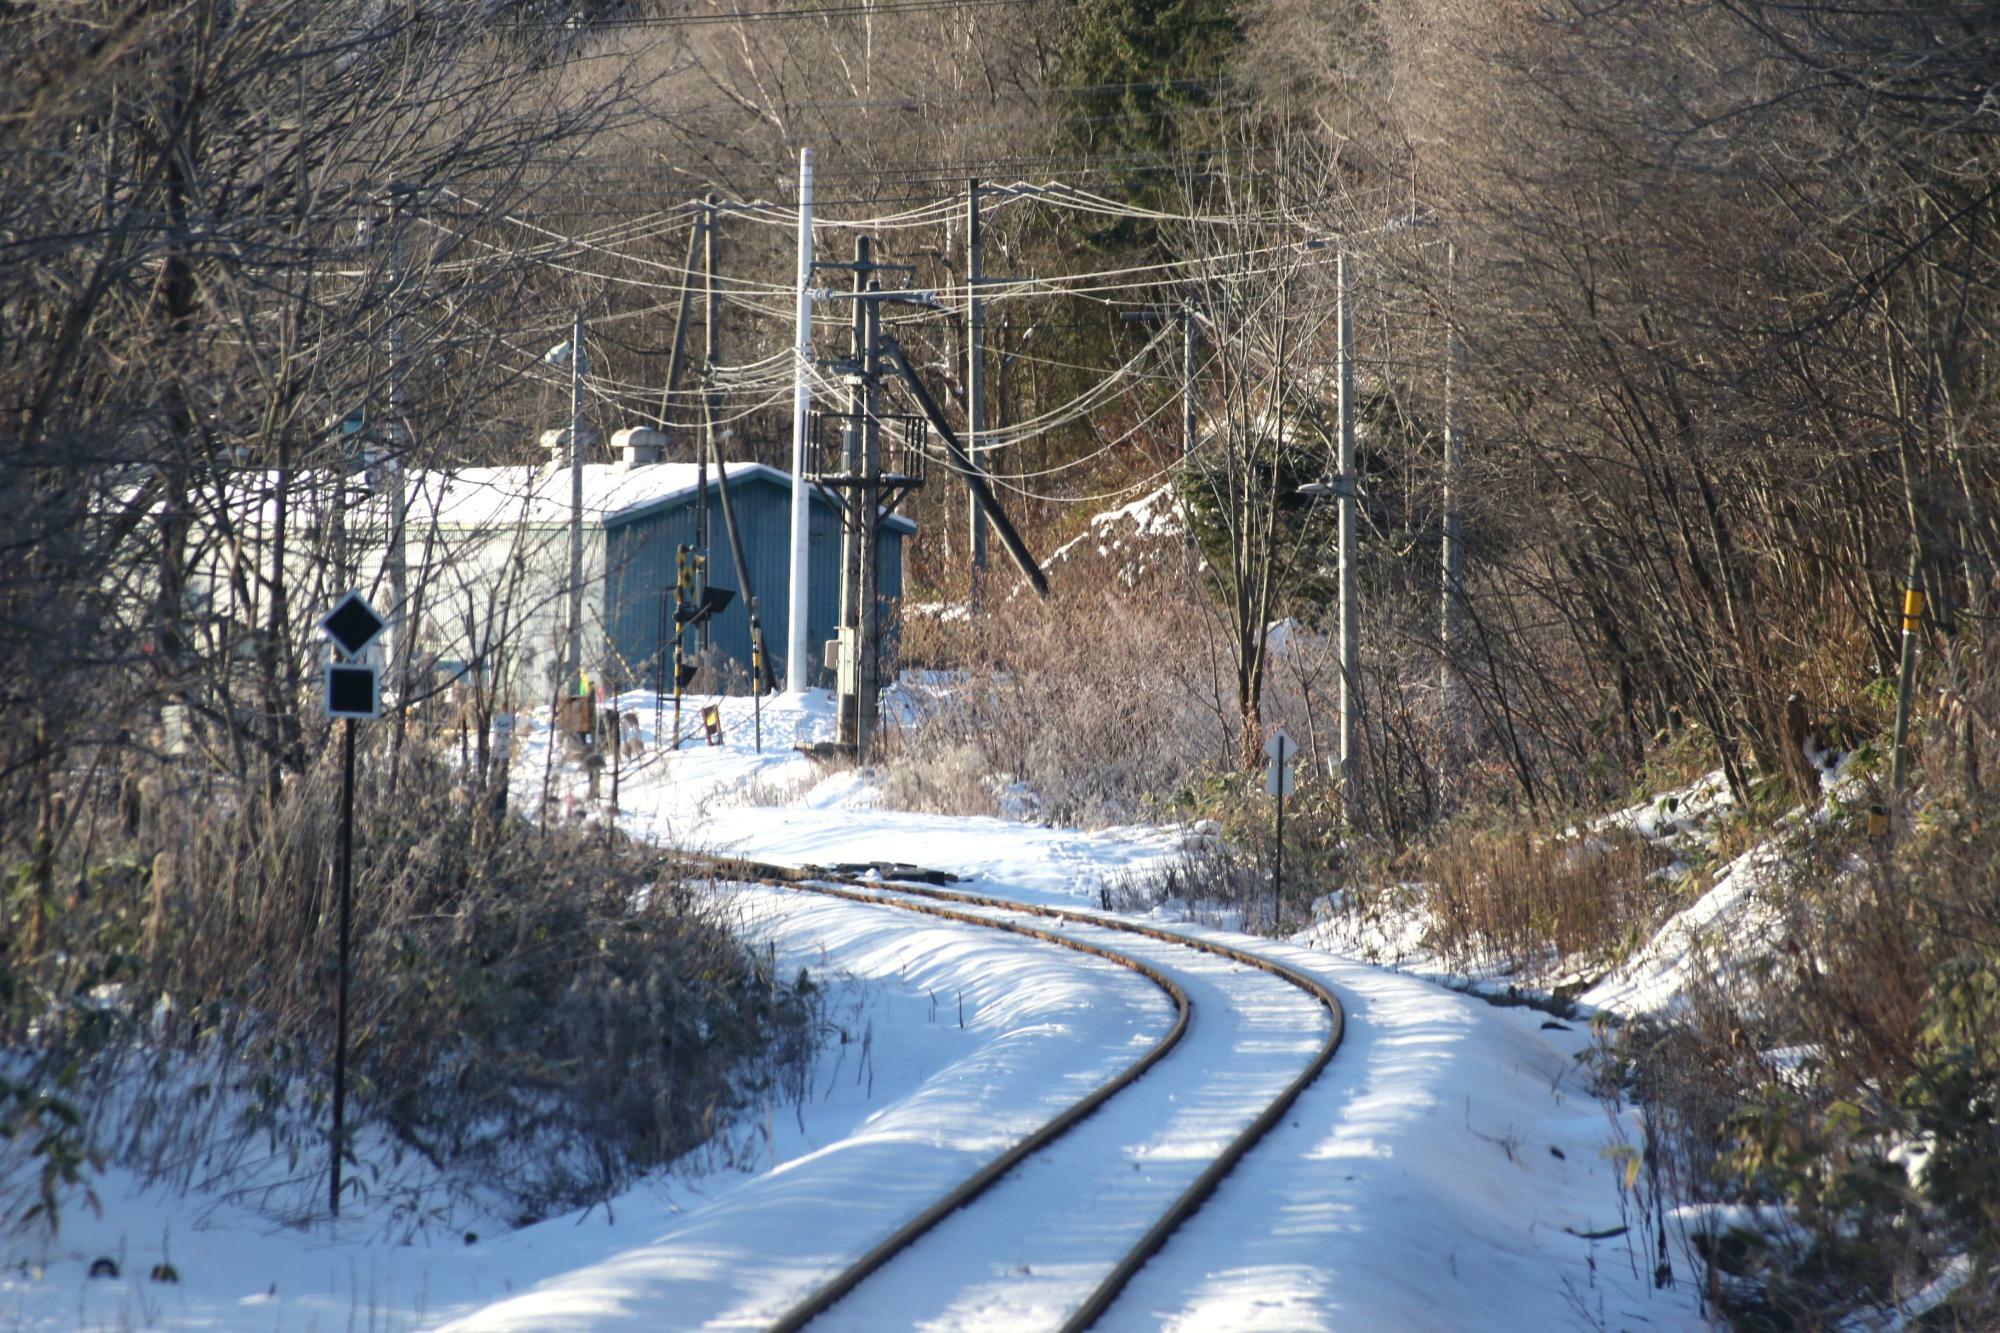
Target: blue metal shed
[641,545]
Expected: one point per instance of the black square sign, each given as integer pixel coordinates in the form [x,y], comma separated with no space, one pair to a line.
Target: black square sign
[353,624]
[353,691]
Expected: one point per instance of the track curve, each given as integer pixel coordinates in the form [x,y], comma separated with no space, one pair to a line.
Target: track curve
[932,901]
[980,1181]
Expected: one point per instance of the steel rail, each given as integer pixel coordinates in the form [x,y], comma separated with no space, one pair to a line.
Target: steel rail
[1190,1199]
[798,1316]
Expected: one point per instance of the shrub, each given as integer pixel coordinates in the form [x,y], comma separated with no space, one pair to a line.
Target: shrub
[536,1016]
[1849,1080]
[1510,896]
[1094,702]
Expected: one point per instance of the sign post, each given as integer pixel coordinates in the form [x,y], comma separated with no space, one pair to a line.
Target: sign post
[353,690]
[1279,781]
[500,761]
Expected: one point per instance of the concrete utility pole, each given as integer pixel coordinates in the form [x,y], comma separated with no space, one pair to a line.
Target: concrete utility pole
[1454,461]
[577,369]
[1349,649]
[796,647]
[975,377]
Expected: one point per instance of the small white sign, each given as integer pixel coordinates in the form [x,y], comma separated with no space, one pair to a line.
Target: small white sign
[1280,745]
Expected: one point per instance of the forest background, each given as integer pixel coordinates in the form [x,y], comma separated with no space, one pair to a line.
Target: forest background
[1673,329]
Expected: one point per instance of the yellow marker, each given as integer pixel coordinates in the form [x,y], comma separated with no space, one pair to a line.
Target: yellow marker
[1913,610]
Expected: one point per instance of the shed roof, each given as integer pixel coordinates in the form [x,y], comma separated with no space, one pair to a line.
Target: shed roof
[488,497]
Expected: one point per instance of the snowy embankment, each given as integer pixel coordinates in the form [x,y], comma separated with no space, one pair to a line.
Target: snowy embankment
[1449,1170]
[1726,924]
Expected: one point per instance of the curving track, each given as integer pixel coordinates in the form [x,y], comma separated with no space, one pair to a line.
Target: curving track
[1084,932]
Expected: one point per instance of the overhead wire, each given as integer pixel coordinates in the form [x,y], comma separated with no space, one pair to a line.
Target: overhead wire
[1125,285]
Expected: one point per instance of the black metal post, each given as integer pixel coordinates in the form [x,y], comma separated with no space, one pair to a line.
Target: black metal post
[1278,858]
[346,935]
[683,577]
[757,673]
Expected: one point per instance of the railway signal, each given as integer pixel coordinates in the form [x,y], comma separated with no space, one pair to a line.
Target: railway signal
[353,690]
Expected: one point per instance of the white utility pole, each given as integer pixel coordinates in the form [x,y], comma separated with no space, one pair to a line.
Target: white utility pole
[975,377]
[1349,654]
[577,370]
[796,657]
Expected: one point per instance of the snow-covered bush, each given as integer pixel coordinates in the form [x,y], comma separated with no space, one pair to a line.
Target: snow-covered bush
[535,1016]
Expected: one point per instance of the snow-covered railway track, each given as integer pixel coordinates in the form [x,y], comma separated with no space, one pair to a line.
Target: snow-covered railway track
[1068,929]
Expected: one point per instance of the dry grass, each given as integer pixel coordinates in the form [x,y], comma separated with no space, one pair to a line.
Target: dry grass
[1096,702]
[1524,900]
[538,1016]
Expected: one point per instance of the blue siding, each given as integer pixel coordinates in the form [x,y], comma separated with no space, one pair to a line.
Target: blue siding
[640,561]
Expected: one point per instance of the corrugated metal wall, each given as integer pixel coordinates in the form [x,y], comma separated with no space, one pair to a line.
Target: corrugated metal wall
[640,561]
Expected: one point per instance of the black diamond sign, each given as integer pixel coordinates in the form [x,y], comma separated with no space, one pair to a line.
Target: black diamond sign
[353,624]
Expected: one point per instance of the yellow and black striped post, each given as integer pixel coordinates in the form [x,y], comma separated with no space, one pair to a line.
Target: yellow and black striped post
[1913,622]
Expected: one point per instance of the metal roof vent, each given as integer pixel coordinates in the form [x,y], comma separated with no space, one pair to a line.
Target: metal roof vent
[555,443]
[638,446]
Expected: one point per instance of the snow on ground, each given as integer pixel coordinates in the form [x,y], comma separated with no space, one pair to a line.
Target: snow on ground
[1445,1172]
[1133,541]
[1724,927]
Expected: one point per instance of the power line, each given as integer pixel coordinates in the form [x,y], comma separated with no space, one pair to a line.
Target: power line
[883,9]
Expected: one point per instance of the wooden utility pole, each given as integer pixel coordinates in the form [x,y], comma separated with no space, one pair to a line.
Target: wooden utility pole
[1454,462]
[867,513]
[678,352]
[853,454]
[397,437]
[710,360]
[866,492]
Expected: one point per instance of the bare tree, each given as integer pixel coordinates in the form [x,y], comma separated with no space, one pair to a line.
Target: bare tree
[226,228]
[1257,292]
